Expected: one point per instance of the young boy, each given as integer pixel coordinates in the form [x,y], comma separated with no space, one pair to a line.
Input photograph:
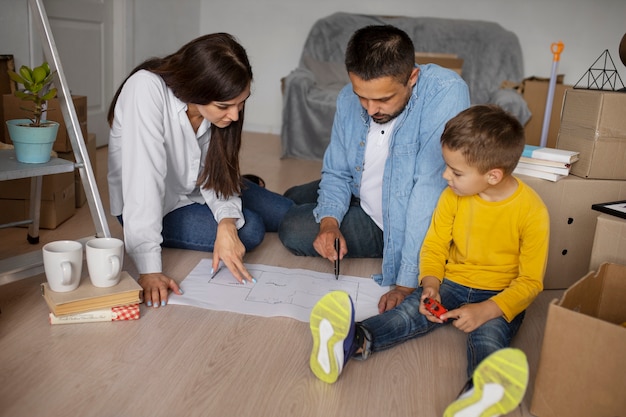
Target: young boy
[483,258]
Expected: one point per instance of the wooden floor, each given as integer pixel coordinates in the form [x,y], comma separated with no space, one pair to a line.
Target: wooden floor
[179,360]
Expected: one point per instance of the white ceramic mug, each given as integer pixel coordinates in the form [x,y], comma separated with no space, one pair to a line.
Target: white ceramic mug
[63,264]
[105,257]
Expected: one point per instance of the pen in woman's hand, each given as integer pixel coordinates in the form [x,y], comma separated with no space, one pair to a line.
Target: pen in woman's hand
[214,273]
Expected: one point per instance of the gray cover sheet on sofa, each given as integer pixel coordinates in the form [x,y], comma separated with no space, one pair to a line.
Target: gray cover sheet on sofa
[491,55]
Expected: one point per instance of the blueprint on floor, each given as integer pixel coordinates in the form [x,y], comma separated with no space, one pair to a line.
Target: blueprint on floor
[278,291]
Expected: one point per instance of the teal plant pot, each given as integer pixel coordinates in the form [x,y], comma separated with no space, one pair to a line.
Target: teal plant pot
[32,144]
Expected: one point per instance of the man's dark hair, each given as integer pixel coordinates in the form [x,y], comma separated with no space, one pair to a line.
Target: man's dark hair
[380,51]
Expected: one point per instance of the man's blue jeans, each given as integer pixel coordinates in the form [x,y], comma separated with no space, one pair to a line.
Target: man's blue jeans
[194,227]
[406,322]
[299,229]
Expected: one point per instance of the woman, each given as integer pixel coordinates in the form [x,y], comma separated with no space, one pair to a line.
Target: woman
[174,176]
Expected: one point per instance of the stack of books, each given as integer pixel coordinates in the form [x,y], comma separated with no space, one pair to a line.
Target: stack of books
[89,304]
[547,163]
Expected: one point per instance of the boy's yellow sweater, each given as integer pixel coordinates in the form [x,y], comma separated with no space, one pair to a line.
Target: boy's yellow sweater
[490,245]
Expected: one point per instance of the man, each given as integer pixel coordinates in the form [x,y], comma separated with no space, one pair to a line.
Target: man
[382,171]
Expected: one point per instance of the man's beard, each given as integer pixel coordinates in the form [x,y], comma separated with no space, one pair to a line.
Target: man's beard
[386,118]
[381,119]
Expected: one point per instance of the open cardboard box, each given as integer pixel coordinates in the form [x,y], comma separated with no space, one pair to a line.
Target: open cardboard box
[582,367]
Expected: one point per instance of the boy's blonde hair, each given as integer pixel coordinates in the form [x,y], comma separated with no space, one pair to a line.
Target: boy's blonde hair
[487,136]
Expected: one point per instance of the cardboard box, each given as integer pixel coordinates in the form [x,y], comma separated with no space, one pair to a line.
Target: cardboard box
[582,367]
[58,203]
[593,124]
[20,189]
[450,61]
[572,223]
[81,197]
[7,85]
[535,92]
[13,110]
[609,241]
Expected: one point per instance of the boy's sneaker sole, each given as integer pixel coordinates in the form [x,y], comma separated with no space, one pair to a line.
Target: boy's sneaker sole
[500,383]
[330,322]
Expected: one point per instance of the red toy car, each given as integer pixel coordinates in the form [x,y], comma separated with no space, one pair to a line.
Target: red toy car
[434,307]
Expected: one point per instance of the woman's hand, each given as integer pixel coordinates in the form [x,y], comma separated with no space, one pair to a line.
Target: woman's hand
[229,249]
[155,288]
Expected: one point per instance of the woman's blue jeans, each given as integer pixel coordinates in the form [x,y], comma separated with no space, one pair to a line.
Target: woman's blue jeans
[194,227]
[406,322]
[299,229]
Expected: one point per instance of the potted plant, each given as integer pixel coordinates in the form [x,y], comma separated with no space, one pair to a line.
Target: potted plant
[33,137]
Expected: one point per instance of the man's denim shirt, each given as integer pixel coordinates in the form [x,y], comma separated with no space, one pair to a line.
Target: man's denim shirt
[412,178]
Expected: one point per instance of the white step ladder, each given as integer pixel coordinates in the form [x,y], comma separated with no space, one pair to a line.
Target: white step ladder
[30,264]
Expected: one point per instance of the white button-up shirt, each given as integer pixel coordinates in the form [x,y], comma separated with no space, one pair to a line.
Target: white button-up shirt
[155,158]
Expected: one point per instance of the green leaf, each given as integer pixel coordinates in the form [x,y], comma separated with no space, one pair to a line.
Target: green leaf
[50,94]
[22,95]
[35,88]
[39,74]
[26,73]
[16,77]
[26,97]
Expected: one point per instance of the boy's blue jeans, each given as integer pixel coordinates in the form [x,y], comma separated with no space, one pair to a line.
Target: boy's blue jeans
[406,322]
[194,227]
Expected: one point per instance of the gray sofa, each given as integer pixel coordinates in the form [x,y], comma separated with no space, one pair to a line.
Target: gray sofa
[491,55]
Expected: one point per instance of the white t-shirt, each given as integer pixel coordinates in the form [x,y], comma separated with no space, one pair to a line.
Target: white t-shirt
[155,158]
[376,152]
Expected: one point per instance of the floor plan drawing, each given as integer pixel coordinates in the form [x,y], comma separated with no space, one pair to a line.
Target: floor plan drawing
[277,291]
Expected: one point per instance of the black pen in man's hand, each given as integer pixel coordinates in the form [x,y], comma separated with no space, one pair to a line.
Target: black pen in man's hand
[337,247]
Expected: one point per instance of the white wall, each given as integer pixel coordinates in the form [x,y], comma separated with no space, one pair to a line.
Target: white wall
[273,32]
[14,31]
[163,26]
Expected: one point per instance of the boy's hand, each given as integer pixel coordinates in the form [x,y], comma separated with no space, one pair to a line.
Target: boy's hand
[471,316]
[430,289]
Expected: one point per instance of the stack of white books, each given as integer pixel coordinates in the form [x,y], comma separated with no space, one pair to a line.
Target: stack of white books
[547,163]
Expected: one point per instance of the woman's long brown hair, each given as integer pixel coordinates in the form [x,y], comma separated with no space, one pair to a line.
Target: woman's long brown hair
[213,67]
